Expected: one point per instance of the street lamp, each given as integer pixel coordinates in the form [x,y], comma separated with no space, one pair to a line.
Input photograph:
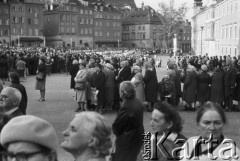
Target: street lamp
[201,38]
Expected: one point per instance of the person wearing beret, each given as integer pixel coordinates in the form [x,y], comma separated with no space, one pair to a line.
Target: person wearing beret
[29,138]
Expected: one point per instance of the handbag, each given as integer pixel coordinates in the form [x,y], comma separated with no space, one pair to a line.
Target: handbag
[80,86]
[40,76]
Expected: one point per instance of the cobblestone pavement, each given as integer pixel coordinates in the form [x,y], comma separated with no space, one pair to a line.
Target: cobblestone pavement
[59,108]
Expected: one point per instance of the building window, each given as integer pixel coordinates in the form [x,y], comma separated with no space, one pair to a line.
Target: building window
[30,32]
[81,31]
[5,33]
[90,31]
[81,11]
[107,24]
[62,29]
[143,27]
[21,20]
[86,12]
[80,42]
[21,31]
[91,21]
[68,17]
[108,33]
[73,30]
[90,12]
[73,18]
[20,8]
[29,21]
[14,31]
[15,20]
[14,8]
[68,30]
[35,21]
[29,10]
[235,31]
[36,32]
[62,17]
[86,31]
[96,33]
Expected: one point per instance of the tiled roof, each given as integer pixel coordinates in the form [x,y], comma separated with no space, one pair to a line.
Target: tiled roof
[143,16]
[122,3]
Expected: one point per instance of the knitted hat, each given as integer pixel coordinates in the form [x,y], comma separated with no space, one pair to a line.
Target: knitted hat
[31,129]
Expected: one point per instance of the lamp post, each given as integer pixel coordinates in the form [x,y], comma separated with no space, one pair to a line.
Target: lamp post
[201,38]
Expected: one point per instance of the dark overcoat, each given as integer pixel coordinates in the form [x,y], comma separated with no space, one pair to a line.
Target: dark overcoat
[217,88]
[190,87]
[98,81]
[73,72]
[23,103]
[203,81]
[151,85]
[128,128]
[237,88]
[229,81]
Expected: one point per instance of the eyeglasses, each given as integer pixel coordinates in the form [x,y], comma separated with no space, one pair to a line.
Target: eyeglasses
[3,97]
[7,156]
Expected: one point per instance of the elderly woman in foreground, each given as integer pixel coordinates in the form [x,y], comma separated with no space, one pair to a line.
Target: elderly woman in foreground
[88,137]
[211,144]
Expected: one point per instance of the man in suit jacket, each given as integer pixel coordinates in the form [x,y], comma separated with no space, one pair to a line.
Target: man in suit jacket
[9,100]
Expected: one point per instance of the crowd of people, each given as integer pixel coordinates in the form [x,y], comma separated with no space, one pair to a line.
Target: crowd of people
[128,84]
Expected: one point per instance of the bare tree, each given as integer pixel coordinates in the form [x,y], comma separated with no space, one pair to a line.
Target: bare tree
[172,19]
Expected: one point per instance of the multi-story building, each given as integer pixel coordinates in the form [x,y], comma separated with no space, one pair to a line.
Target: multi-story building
[83,24]
[4,22]
[69,24]
[216,28]
[143,29]
[185,43]
[21,22]
[107,25]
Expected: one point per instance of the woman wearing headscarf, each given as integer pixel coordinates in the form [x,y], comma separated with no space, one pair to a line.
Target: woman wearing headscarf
[138,83]
[41,83]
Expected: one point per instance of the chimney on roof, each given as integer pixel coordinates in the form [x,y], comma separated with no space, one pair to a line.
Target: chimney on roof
[142,4]
[197,6]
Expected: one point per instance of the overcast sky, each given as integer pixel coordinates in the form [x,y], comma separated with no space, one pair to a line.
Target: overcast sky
[154,4]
